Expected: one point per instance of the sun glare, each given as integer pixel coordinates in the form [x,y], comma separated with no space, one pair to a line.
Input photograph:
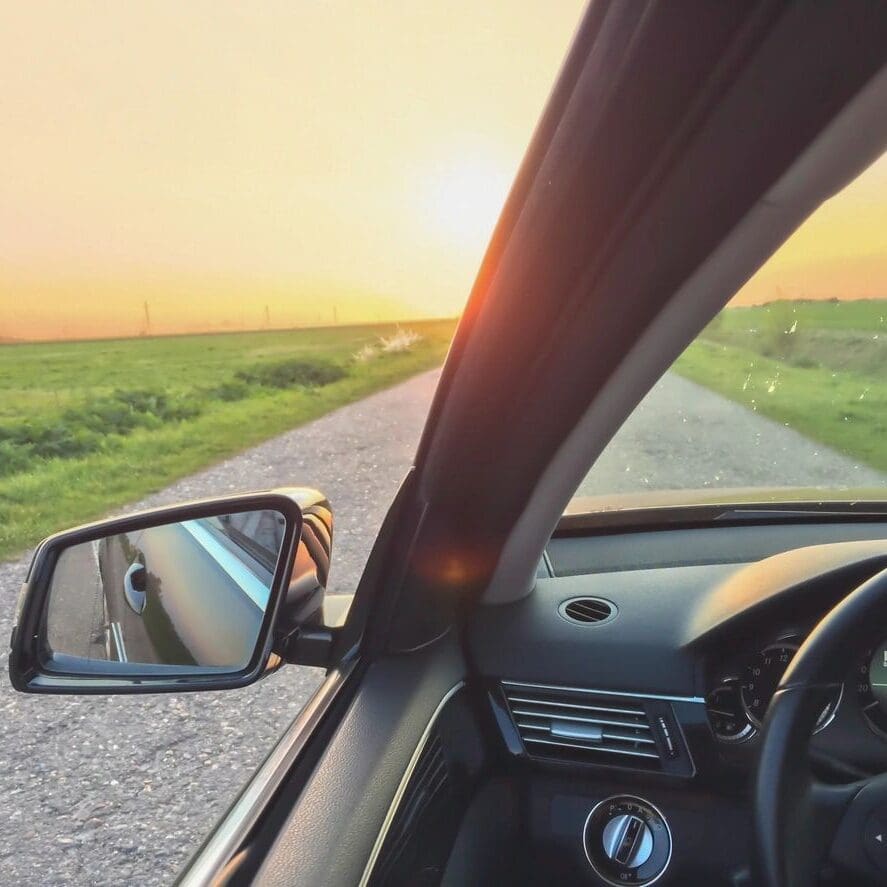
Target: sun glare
[464,201]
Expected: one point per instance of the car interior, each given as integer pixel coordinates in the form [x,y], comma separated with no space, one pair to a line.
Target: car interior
[526,692]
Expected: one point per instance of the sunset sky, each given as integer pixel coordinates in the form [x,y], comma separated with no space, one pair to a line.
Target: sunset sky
[839,252]
[214,157]
[240,165]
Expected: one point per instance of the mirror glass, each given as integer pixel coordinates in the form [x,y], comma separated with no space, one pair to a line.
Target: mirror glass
[191,594]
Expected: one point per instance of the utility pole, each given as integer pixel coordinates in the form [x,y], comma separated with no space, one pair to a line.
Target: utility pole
[267,317]
[335,316]
[147,330]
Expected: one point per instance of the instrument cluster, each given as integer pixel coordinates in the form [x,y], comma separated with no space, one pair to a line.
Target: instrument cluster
[738,700]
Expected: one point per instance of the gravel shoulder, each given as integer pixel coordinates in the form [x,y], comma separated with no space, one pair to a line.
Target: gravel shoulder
[123,789]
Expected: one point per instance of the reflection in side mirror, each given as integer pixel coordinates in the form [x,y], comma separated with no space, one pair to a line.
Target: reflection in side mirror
[191,593]
[134,583]
[180,598]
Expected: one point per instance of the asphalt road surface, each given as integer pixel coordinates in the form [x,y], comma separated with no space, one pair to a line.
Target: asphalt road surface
[683,436]
[107,790]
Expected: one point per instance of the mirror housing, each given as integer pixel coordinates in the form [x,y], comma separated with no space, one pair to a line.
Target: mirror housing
[153,558]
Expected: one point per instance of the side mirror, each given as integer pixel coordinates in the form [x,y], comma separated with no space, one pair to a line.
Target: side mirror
[173,599]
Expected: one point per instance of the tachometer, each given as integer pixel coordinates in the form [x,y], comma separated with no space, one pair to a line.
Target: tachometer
[762,677]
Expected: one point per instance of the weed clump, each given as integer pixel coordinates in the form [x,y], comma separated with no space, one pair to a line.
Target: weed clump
[296,372]
[231,391]
[84,429]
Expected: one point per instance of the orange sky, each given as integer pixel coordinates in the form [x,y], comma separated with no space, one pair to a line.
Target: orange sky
[338,160]
[217,157]
[839,252]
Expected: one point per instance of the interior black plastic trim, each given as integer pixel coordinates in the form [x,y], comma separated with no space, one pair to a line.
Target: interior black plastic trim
[329,835]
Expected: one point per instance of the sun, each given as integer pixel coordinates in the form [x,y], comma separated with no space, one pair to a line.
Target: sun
[464,198]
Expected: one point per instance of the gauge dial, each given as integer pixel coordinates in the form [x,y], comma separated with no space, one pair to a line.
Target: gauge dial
[762,677]
[727,715]
[871,687]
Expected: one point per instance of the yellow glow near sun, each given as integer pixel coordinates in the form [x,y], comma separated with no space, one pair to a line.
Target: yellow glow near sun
[464,199]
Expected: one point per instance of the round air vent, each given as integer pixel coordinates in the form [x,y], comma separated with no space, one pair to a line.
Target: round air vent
[587,610]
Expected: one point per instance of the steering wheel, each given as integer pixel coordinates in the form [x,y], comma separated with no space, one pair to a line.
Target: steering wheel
[800,823]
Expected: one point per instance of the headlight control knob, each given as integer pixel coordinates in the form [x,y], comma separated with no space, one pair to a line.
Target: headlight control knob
[627,840]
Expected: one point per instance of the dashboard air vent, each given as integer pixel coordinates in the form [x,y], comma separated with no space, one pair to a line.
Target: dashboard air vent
[587,610]
[582,726]
[423,803]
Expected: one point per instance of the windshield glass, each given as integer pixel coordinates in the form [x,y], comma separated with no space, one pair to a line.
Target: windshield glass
[783,396]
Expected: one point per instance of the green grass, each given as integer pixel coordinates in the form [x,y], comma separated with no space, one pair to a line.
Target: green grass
[86,427]
[861,314]
[818,367]
[840,335]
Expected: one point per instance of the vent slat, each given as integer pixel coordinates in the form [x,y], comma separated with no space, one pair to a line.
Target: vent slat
[600,722]
[606,728]
[587,610]
[606,709]
[431,759]
[603,749]
[615,737]
[590,607]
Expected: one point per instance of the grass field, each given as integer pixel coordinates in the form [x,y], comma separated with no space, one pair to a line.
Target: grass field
[819,367]
[88,426]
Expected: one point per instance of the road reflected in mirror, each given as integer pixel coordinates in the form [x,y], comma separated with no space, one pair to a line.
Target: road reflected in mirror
[191,594]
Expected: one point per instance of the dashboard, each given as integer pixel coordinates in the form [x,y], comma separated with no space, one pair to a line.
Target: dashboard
[635,680]
[720,633]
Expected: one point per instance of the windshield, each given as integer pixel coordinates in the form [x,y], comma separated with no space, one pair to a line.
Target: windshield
[783,396]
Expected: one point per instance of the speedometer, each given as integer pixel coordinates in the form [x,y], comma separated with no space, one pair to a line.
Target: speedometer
[762,677]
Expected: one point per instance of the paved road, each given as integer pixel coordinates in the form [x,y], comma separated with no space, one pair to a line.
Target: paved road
[123,789]
[118,789]
[683,436]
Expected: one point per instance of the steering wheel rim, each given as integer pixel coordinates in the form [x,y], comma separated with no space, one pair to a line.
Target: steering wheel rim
[800,823]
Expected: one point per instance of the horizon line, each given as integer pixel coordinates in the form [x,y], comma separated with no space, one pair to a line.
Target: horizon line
[12,341]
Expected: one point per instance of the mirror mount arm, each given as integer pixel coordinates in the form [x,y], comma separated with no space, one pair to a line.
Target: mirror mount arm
[307,645]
